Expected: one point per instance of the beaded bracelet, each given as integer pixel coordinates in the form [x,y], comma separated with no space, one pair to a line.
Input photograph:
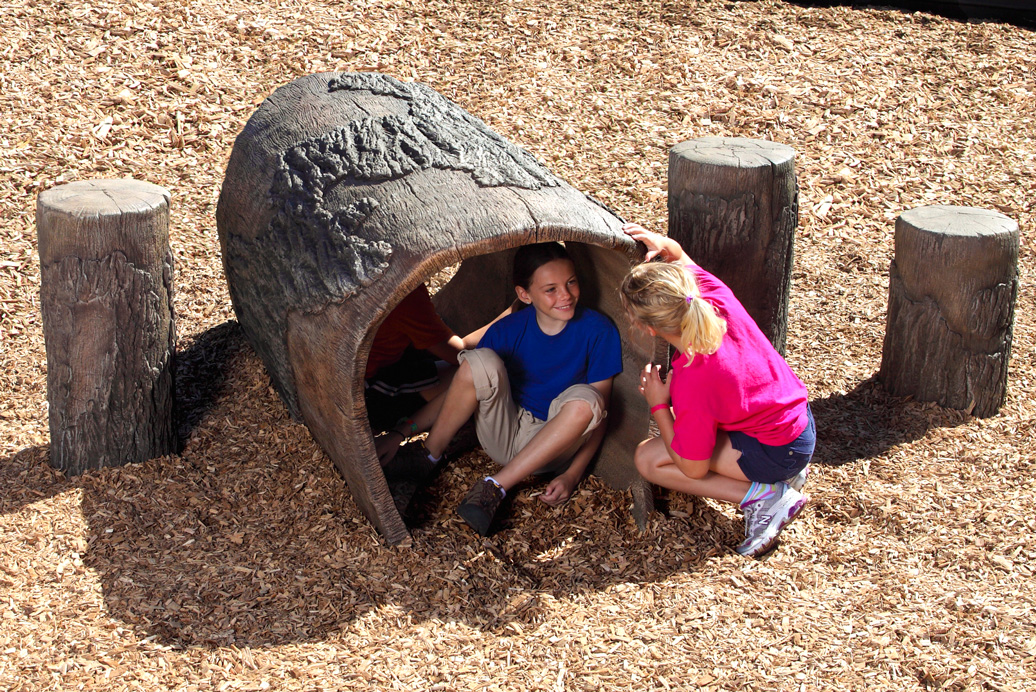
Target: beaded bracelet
[407,422]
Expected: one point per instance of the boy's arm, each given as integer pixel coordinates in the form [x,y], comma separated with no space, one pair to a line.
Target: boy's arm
[448,350]
[471,340]
[560,489]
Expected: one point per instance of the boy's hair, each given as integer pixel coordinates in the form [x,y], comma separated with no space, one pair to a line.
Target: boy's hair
[529,258]
[666,298]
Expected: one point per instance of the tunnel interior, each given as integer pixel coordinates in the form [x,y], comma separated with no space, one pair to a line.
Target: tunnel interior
[480,287]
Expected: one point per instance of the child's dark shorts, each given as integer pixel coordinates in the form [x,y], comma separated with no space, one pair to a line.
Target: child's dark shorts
[393,392]
[768,464]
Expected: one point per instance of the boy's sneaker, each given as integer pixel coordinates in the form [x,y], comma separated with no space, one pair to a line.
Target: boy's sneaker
[799,479]
[480,504]
[411,463]
[765,519]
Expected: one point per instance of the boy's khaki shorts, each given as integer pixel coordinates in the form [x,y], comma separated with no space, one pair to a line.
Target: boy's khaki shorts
[503,427]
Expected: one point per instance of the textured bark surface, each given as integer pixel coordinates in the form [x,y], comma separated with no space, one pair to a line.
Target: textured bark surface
[952,290]
[343,192]
[106,298]
[733,206]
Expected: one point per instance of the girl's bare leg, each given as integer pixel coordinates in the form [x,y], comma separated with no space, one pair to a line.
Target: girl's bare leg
[556,436]
[724,481]
[457,406]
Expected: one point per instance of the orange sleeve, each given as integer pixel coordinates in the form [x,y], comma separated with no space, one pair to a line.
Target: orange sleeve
[414,321]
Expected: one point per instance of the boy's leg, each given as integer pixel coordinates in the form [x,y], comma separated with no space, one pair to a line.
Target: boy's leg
[724,481]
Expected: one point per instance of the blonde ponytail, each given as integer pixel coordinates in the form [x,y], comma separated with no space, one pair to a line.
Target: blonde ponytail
[666,298]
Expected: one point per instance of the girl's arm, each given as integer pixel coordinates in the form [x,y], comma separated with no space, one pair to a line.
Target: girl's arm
[656,393]
[692,468]
[658,245]
[561,488]
[448,350]
[471,340]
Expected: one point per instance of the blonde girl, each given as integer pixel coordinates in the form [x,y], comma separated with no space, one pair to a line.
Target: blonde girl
[734,419]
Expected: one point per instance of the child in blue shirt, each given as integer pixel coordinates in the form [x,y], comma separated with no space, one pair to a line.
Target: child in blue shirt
[538,384]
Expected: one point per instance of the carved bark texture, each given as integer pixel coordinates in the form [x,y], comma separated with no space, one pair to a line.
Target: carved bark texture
[343,192]
[952,290]
[733,206]
[106,297]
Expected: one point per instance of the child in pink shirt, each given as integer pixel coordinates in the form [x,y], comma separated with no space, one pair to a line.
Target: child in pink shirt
[734,419]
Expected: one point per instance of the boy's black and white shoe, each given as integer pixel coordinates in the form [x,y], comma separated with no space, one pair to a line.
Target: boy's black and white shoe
[411,463]
[480,505]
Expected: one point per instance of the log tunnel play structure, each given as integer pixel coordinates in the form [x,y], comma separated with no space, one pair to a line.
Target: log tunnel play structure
[345,191]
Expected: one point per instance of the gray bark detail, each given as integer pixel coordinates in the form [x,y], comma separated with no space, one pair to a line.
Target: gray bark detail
[311,249]
[434,133]
[342,194]
[952,291]
[733,206]
[108,323]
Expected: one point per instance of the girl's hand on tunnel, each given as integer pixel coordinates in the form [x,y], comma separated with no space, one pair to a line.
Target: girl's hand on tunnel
[653,241]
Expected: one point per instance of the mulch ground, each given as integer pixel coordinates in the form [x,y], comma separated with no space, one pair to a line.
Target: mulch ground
[244,564]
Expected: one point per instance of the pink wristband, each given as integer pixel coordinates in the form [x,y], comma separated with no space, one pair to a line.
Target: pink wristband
[659,407]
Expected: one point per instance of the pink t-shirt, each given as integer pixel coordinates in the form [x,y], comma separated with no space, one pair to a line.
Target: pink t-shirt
[745,385]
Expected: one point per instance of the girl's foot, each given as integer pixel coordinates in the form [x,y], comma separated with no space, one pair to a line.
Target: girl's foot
[766,518]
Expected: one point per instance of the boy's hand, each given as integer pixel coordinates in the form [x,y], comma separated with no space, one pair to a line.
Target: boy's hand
[653,387]
[559,490]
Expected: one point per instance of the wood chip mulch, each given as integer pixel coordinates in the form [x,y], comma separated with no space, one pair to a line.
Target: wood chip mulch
[243,563]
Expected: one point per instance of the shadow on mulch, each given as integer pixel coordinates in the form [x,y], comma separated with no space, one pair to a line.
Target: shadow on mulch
[250,537]
[201,373]
[867,421]
[1010,11]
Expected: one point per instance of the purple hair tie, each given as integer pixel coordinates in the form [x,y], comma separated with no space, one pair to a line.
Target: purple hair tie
[689,299]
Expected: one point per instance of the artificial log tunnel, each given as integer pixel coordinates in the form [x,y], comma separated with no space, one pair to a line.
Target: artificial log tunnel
[345,191]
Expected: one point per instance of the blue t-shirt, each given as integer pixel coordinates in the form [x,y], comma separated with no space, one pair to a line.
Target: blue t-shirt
[540,367]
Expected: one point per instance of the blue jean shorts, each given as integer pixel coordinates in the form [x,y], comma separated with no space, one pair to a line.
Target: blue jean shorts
[768,464]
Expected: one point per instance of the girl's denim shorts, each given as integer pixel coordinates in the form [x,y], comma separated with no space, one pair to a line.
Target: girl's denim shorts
[768,464]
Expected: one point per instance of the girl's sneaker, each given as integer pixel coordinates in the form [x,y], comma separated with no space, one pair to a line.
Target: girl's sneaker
[798,481]
[765,519]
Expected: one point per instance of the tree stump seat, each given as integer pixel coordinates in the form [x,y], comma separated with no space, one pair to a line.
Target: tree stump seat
[345,191]
[106,297]
[953,283]
[733,207]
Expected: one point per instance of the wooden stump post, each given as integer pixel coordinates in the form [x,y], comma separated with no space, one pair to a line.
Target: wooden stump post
[733,206]
[106,297]
[952,289]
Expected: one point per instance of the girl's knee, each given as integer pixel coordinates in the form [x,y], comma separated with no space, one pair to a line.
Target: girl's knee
[482,366]
[645,458]
[462,376]
[649,456]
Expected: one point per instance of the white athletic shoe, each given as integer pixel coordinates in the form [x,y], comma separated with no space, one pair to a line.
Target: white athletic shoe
[765,519]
